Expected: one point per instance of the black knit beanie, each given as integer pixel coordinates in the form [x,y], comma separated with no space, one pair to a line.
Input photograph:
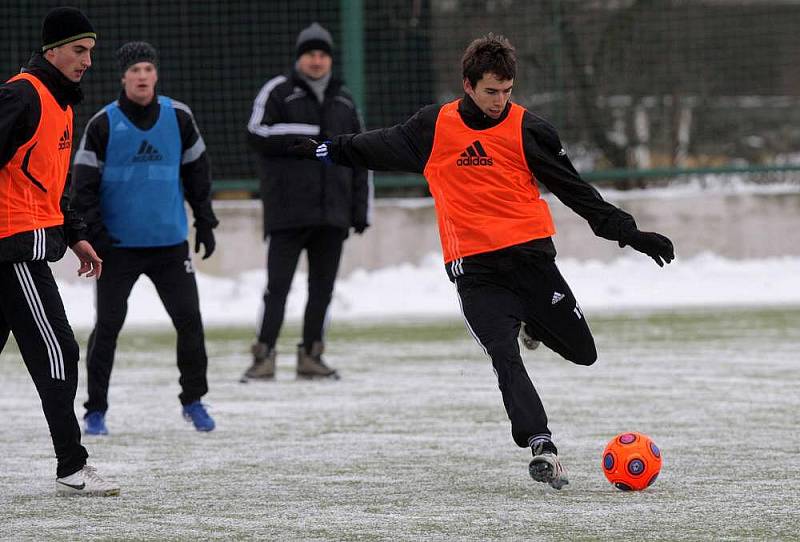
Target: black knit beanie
[63,25]
[314,37]
[134,52]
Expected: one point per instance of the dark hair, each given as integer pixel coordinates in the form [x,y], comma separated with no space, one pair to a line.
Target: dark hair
[491,53]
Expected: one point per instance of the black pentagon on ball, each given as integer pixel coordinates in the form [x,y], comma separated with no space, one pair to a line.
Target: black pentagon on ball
[622,486]
[608,462]
[636,467]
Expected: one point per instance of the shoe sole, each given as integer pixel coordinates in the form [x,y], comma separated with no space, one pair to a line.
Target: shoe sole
[63,491]
[530,344]
[332,376]
[200,429]
[543,471]
[245,379]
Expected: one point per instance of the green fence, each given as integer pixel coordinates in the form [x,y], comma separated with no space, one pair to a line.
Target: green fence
[637,88]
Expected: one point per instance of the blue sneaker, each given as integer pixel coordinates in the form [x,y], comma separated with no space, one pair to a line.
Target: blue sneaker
[94,423]
[196,413]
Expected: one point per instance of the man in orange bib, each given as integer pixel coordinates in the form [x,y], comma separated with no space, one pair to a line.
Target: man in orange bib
[36,226]
[483,156]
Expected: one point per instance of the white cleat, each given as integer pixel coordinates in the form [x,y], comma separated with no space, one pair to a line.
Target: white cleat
[86,482]
[545,467]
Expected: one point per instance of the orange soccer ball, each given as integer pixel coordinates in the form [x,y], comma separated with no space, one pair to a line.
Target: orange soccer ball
[631,461]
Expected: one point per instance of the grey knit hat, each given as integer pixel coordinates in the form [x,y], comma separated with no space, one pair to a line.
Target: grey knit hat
[314,37]
[134,52]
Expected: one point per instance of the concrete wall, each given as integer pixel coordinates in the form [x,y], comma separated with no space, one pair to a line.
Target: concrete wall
[736,226]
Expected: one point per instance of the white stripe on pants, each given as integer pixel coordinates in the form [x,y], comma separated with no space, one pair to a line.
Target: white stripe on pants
[40,318]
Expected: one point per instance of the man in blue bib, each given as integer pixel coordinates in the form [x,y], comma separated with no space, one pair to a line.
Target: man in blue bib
[139,158]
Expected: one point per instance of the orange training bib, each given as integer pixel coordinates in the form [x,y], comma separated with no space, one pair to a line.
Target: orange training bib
[32,182]
[485,194]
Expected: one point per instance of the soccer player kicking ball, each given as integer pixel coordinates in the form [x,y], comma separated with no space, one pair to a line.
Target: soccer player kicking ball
[482,157]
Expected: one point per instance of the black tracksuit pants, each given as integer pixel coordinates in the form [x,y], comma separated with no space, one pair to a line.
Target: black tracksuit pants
[517,286]
[323,245]
[172,273]
[31,309]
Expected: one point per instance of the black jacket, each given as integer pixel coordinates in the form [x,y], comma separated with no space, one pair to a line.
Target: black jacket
[20,111]
[299,193]
[407,147]
[87,169]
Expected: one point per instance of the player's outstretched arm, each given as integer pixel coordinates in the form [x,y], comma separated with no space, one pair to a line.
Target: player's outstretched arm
[550,164]
[403,147]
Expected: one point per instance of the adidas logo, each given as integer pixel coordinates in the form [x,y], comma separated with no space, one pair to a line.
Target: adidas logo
[474,156]
[147,153]
[557,296]
[64,142]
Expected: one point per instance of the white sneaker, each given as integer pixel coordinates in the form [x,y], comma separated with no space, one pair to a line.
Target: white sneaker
[86,482]
[527,341]
[545,467]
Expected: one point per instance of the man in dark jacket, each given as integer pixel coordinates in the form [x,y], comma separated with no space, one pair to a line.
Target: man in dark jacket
[306,205]
[139,158]
[36,226]
[482,156]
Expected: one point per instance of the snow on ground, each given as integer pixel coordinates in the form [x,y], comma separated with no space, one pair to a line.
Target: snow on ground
[408,291]
[699,185]
[413,442]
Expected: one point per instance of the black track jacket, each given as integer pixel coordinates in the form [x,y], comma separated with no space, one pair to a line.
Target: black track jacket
[407,147]
[20,111]
[299,193]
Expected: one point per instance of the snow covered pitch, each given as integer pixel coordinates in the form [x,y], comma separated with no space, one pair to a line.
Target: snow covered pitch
[413,442]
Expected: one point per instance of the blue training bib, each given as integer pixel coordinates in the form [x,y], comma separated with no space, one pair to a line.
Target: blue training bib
[141,195]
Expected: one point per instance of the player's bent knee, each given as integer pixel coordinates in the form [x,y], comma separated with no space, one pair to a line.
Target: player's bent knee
[587,357]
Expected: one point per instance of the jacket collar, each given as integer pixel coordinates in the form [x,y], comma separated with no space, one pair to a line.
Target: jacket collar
[476,119]
[63,90]
[331,90]
[139,114]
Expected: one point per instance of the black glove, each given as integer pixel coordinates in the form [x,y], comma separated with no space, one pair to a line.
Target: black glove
[653,244]
[305,147]
[359,227]
[204,235]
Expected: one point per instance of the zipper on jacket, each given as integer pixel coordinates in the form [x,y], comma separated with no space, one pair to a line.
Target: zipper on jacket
[324,170]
